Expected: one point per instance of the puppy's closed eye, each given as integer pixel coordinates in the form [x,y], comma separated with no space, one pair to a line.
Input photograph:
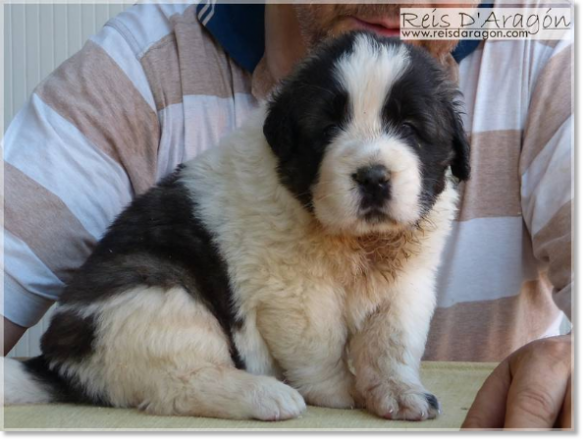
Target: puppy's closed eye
[408,129]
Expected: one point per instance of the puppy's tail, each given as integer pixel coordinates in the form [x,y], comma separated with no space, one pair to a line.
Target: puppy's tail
[28,382]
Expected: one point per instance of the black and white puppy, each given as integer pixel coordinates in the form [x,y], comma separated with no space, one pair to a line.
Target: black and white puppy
[303,249]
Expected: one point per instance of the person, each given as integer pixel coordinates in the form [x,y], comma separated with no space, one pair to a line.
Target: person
[162,82]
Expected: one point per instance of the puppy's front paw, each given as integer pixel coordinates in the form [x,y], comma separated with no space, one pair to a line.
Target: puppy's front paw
[400,401]
[277,401]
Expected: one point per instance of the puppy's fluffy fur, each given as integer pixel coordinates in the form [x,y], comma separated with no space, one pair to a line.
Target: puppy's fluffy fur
[304,248]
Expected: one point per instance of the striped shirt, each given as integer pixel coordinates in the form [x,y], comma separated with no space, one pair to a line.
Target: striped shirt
[153,89]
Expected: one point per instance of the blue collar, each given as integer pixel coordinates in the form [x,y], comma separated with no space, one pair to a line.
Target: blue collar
[239,29]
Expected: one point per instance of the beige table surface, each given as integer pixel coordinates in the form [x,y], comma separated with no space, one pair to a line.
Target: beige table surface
[454,383]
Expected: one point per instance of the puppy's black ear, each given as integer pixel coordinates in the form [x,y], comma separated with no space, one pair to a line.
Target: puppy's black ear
[461,164]
[279,125]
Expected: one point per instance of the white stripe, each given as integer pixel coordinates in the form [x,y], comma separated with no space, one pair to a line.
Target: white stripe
[546,184]
[22,307]
[504,108]
[51,151]
[210,15]
[214,117]
[485,259]
[25,268]
[171,150]
[554,329]
[541,55]
[469,70]
[117,48]
[145,24]
[497,96]
[203,10]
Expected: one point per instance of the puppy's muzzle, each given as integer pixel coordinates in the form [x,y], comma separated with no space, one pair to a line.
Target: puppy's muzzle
[374,186]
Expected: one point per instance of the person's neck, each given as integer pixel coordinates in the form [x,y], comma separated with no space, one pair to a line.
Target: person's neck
[283,48]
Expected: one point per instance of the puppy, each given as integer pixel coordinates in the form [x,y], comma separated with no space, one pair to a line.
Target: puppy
[302,250]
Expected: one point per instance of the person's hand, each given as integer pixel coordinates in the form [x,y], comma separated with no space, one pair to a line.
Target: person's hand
[530,389]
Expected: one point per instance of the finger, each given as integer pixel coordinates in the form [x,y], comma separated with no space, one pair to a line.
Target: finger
[537,391]
[489,407]
[565,419]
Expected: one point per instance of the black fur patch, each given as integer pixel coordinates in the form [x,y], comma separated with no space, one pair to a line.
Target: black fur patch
[309,109]
[69,337]
[422,106]
[158,241]
[60,388]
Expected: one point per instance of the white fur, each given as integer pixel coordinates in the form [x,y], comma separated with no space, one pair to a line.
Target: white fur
[368,72]
[20,387]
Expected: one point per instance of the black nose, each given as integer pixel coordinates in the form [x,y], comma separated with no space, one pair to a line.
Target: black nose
[374,185]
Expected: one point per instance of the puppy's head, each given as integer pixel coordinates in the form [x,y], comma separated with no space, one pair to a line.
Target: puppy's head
[364,131]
